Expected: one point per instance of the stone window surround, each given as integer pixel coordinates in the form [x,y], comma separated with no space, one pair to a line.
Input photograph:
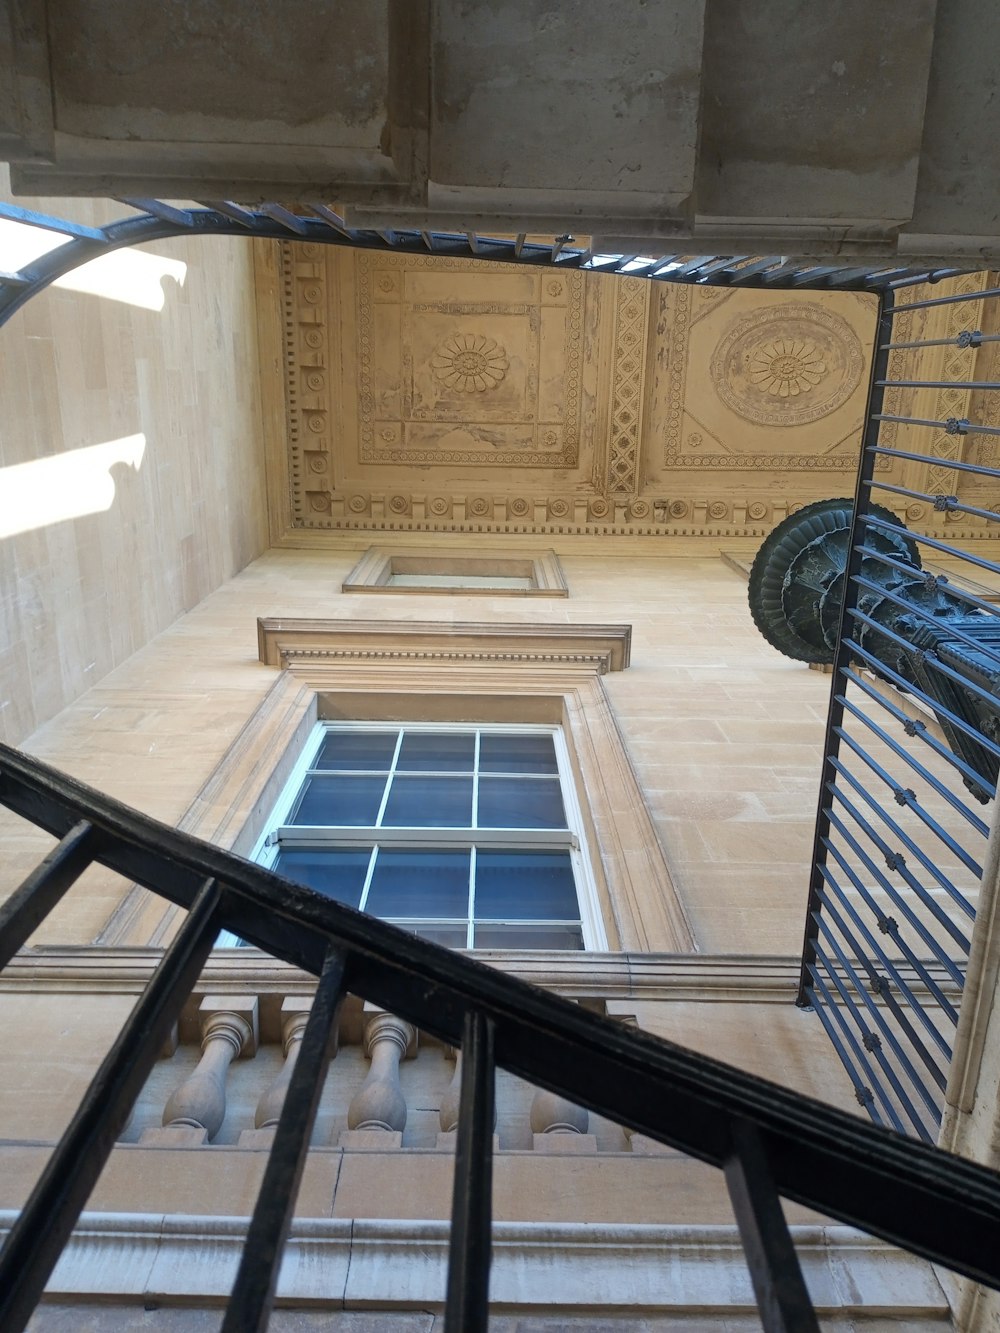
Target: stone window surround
[373,572]
[441,671]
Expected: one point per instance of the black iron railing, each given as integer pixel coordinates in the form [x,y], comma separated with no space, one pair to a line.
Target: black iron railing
[770,1142]
[155,220]
[913,735]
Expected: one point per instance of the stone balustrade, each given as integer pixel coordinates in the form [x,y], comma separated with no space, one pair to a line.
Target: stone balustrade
[365,1102]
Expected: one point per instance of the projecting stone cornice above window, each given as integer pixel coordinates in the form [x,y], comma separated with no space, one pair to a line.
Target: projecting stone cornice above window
[283,642]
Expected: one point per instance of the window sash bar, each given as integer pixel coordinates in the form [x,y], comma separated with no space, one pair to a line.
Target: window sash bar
[253,1292]
[334,835]
[366,887]
[40,1233]
[390,777]
[470,923]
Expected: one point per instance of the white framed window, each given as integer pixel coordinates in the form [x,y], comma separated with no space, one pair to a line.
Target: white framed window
[468,835]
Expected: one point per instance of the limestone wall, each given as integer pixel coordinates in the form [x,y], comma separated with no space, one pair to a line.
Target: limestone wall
[130,455]
[723,733]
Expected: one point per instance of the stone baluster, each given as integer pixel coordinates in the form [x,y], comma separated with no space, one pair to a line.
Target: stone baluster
[196,1109]
[294,1017]
[450,1104]
[559,1125]
[376,1116]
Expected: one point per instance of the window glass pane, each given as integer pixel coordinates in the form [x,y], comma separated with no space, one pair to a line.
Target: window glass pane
[437,751]
[514,885]
[516,803]
[418,883]
[427,802]
[371,750]
[339,872]
[503,752]
[528,937]
[334,800]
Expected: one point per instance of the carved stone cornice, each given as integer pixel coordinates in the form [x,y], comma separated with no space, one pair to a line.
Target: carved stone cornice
[281,642]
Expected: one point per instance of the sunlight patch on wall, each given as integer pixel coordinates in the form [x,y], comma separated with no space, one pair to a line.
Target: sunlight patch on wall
[132,276]
[65,486]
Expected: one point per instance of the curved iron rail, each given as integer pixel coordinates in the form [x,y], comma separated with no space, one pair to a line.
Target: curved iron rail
[157,220]
[769,1141]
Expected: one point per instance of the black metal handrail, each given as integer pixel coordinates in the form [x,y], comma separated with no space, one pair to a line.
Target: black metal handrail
[157,220]
[770,1142]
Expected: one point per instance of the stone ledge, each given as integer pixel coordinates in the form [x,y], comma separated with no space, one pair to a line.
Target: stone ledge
[354,1264]
[597,976]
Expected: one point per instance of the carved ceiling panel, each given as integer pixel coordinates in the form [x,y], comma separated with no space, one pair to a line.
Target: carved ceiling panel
[428,394]
[460,366]
[760,382]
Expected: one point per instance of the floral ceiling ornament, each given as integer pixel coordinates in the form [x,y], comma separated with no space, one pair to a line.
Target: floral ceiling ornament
[787,364]
[787,367]
[470,363]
